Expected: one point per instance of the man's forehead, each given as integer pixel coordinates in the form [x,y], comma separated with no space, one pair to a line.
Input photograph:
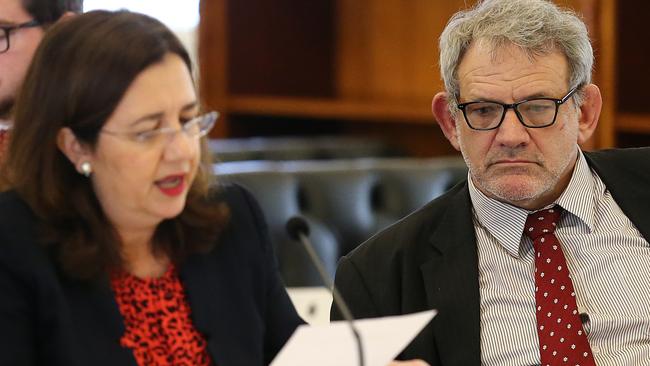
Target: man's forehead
[482,58]
[497,50]
[513,75]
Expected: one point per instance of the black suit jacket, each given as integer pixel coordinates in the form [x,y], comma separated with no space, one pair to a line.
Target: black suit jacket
[429,260]
[235,294]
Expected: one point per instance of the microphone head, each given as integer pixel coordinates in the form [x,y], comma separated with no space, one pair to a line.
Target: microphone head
[297,225]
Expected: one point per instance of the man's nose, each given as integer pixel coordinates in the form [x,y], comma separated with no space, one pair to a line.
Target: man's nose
[511,132]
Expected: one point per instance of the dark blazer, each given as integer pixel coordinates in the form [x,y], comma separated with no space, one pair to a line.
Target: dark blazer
[235,294]
[429,260]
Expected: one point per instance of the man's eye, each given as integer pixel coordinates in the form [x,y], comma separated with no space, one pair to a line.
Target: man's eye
[537,108]
[483,110]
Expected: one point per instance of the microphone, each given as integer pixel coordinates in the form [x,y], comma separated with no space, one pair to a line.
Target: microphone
[298,230]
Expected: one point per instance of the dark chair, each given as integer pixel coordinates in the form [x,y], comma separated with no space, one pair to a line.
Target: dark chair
[345,201]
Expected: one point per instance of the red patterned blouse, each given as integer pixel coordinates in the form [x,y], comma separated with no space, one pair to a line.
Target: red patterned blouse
[4,143]
[157,320]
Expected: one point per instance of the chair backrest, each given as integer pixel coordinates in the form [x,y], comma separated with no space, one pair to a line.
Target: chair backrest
[345,201]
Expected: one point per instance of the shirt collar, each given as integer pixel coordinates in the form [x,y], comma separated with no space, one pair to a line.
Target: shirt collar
[506,222]
[503,221]
[578,198]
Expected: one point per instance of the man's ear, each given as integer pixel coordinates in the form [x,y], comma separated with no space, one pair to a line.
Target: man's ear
[592,103]
[72,148]
[67,15]
[447,122]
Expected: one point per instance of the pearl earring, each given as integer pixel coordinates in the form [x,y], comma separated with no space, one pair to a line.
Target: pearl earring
[86,168]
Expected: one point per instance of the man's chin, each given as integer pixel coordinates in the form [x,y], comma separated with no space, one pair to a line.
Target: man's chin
[515,190]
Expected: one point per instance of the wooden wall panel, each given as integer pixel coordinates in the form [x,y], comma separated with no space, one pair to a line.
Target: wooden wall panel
[352,57]
[281,47]
[387,50]
[213,66]
[605,14]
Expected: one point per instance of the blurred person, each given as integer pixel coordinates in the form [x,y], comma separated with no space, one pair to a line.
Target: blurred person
[114,248]
[541,255]
[22,25]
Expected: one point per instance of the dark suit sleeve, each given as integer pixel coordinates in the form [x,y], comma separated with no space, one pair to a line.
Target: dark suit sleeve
[281,316]
[16,328]
[354,291]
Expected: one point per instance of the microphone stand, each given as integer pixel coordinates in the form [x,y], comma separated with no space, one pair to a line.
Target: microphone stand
[298,229]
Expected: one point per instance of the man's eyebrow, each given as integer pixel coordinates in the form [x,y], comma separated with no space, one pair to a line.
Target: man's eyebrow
[527,97]
[536,95]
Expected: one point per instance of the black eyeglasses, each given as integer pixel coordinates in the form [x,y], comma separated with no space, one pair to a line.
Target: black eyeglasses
[532,113]
[6,32]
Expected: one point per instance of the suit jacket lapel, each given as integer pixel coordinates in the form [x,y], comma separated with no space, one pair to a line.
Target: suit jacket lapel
[201,286]
[451,284]
[98,321]
[210,284]
[628,184]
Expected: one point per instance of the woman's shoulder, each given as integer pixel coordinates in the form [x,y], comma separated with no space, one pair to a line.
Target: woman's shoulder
[14,212]
[19,247]
[230,193]
[240,202]
[10,199]
[246,223]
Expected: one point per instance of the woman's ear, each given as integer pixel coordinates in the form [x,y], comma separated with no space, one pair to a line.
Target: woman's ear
[447,122]
[77,152]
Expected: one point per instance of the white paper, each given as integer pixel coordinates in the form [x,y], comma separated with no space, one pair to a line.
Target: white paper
[312,303]
[334,344]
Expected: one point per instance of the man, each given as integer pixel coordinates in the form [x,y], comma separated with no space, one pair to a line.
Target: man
[22,23]
[569,283]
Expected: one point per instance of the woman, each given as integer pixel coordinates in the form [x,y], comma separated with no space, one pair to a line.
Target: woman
[112,249]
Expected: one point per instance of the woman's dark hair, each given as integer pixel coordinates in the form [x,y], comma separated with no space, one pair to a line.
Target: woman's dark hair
[79,74]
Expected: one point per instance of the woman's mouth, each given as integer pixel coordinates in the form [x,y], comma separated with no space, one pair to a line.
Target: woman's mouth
[172,185]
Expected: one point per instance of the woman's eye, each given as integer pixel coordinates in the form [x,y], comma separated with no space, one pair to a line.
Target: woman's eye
[145,135]
[185,120]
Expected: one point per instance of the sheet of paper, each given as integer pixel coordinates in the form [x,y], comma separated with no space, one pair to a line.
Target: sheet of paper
[333,344]
[312,303]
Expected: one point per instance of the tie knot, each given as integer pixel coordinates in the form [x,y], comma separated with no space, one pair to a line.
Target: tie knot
[542,222]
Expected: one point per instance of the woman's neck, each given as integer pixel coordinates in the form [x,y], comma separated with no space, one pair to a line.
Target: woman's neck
[139,257]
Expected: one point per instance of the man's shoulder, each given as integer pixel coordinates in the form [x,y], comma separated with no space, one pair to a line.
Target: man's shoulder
[625,156]
[410,235]
[616,166]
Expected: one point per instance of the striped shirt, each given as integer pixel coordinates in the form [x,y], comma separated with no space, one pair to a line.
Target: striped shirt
[607,257]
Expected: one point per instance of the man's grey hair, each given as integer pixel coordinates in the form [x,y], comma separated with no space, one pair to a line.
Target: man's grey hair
[536,26]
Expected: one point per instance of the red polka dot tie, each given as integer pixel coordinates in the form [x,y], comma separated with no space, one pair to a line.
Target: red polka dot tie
[562,341]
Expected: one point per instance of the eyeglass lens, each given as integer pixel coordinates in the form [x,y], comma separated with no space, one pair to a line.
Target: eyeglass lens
[539,112]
